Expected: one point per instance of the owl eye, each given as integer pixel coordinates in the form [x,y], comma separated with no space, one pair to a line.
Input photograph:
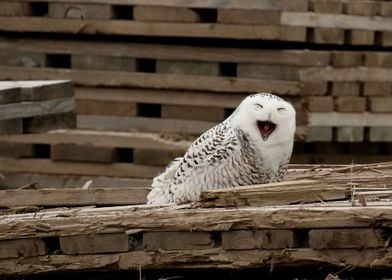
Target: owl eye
[259,106]
[281,109]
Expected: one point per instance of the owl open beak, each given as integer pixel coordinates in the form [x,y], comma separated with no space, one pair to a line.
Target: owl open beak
[266,128]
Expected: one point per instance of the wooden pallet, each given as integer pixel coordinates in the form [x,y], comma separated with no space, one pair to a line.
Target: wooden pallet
[315,21]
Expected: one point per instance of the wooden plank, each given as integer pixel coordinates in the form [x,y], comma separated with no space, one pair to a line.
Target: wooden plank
[46,166]
[310,19]
[82,153]
[170,52]
[165,14]
[345,89]
[289,192]
[346,58]
[326,6]
[347,74]
[350,134]
[193,113]
[80,11]
[257,17]
[350,104]
[380,134]
[319,134]
[22,248]
[349,119]
[9,94]
[386,9]
[377,89]
[155,156]
[39,108]
[73,197]
[381,104]
[314,88]
[347,238]
[12,57]
[169,241]
[100,139]
[187,67]
[293,33]
[16,150]
[143,124]
[10,8]
[362,37]
[157,81]
[320,103]
[362,8]
[386,39]
[41,124]
[94,244]
[260,239]
[106,108]
[328,36]
[235,4]
[379,59]
[11,126]
[124,27]
[98,62]
[274,72]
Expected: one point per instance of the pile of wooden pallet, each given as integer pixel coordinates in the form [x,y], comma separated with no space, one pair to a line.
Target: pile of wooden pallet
[339,216]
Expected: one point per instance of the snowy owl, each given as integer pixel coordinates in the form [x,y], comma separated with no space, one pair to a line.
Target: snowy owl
[252,146]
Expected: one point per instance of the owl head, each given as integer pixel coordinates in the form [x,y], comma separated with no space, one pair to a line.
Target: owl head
[267,118]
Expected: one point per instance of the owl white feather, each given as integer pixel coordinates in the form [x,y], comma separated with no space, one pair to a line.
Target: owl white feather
[252,146]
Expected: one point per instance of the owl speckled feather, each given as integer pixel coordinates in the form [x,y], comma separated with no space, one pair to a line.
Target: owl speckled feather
[252,146]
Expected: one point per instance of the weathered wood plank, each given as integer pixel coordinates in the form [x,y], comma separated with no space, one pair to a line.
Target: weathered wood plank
[46,166]
[347,238]
[82,153]
[107,107]
[187,67]
[289,192]
[80,11]
[10,8]
[165,14]
[169,241]
[41,124]
[98,62]
[22,248]
[94,244]
[193,113]
[73,197]
[349,119]
[348,74]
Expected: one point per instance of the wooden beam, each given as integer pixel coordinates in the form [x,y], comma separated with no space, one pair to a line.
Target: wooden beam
[349,119]
[153,80]
[288,192]
[346,74]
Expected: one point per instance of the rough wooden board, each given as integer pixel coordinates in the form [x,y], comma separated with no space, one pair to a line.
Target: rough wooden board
[157,81]
[260,239]
[46,166]
[99,139]
[40,124]
[381,104]
[289,192]
[350,134]
[345,89]
[293,33]
[73,197]
[11,126]
[165,14]
[380,134]
[362,37]
[124,27]
[193,113]
[94,244]
[349,119]
[143,124]
[155,156]
[272,72]
[15,180]
[171,241]
[98,62]
[378,59]
[22,248]
[366,8]
[319,134]
[386,39]
[320,103]
[107,107]
[9,94]
[310,19]
[377,89]
[347,238]
[39,108]
[328,36]
[80,11]
[187,67]
[12,57]
[347,74]
[248,17]
[82,153]
[173,52]
[301,5]
[327,7]
[346,58]
[17,150]
[350,104]
[10,8]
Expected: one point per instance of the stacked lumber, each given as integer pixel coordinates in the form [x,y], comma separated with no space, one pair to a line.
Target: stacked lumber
[313,21]
[29,107]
